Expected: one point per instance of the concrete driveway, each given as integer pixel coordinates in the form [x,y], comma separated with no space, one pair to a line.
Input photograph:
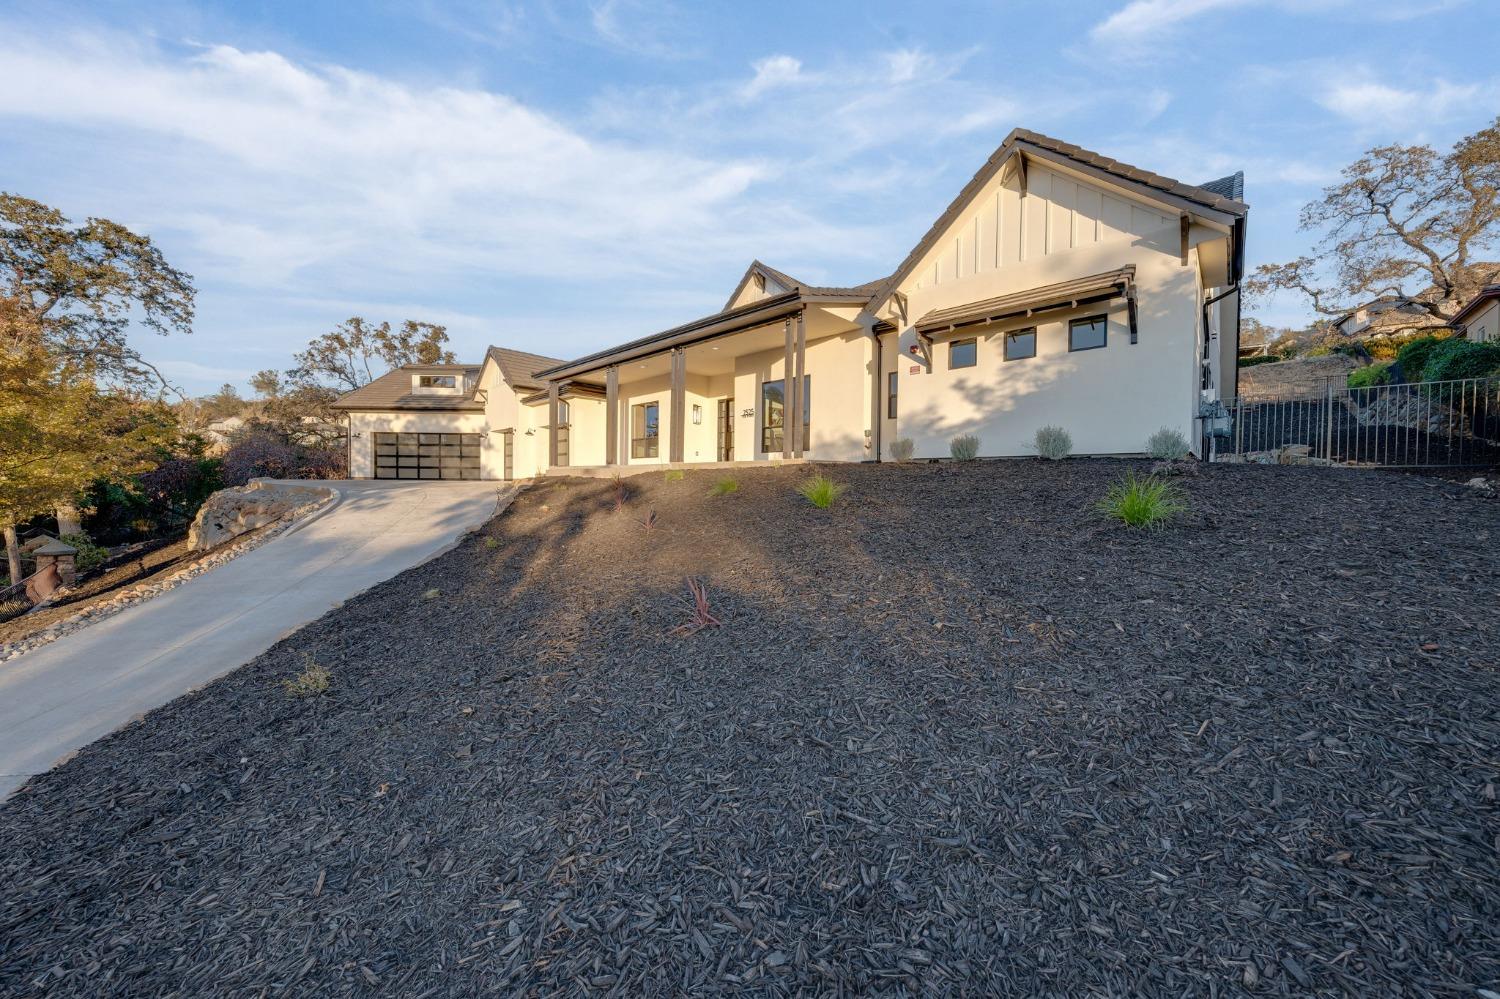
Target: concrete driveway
[60,697]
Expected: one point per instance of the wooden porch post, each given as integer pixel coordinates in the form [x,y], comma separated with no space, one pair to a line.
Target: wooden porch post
[612,415]
[877,389]
[786,394]
[552,414]
[799,394]
[679,404]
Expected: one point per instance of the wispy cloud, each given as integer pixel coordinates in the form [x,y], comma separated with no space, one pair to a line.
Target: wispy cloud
[1140,19]
[771,73]
[1369,101]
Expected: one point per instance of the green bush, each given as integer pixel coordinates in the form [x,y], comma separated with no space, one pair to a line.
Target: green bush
[1054,443]
[964,447]
[1167,445]
[820,491]
[1142,502]
[725,486]
[1413,354]
[1250,362]
[902,448]
[89,555]
[1458,358]
[1371,374]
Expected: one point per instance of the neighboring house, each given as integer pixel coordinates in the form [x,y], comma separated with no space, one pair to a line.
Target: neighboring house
[451,421]
[220,433]
[1059,287]
[1479,320]
[1384,317]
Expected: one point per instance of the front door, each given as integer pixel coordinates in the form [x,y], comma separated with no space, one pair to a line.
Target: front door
[726,429]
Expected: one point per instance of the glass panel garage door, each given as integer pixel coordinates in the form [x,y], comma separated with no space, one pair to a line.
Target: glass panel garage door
[427,456]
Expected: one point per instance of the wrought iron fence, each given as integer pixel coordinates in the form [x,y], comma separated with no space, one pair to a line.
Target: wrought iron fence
[1423,424]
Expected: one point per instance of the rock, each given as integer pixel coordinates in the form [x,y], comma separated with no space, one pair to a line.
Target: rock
[1481,483]
[232,512]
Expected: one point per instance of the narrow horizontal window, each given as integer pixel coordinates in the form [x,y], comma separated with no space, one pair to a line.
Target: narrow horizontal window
[1088,334]
[1020,344]
[437,381]
[963,353]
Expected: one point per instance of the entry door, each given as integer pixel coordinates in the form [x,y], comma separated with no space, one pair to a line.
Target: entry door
[426,456]
[726,429]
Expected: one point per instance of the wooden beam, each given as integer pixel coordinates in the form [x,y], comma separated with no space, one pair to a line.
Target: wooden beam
[612,415]
[799,396]
[678,405]
[786,389]
[552,416]
[1184,224]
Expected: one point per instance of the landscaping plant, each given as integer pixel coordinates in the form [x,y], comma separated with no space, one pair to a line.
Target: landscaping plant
[1054,443]
[1167,445]
[902,448]
[649,521]
[1371,374]
[702,617]
[90,555]
[725,486]
[1413,355]
[820,491]
[311,682]
[1142,502]
[1454,359]
[964,447]
[621,493]
[675,475]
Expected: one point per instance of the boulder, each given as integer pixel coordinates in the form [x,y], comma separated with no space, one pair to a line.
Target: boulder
[230,513]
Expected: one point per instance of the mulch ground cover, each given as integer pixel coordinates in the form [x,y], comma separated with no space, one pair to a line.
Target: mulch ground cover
[958,734]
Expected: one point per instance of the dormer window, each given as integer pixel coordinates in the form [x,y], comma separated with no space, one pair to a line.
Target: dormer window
[437,381]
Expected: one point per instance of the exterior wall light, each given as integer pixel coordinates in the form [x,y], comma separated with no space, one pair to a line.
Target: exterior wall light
[697,413]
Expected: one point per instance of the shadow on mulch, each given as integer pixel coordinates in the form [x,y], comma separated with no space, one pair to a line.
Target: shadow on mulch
[957,734]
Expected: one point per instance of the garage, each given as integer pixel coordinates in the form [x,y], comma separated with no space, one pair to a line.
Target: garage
[426,456]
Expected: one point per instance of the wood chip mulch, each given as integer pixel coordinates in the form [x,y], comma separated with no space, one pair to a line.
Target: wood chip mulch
[957,735]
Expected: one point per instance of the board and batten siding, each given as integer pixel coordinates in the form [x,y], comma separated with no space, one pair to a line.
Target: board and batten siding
[1000,228]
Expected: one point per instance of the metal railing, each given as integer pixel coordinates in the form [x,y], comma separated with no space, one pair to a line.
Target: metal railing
[1407,425]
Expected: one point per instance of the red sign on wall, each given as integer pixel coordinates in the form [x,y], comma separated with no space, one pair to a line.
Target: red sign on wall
[916,369]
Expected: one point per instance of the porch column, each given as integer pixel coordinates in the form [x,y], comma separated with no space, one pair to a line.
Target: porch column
[552,391]
[877,386]
[799,395]
[787,366]
[612,415]
[678,404]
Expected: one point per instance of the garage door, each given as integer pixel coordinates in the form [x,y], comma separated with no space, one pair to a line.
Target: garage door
[427,456]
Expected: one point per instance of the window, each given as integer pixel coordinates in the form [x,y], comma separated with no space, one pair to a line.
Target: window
[1020,344]
[564,414]
[963,353]
[773,414]
[1087,334]
[644,430]
[436,381]
[890,395]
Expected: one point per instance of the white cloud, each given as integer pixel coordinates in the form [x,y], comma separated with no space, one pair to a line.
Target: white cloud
[772,72]
[1373,102]
[1139,19]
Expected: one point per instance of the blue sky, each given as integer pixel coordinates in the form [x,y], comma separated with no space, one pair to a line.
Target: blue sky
[560,176]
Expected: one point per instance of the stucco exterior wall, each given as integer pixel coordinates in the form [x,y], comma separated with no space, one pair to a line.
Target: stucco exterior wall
[838,369]
[1485,325]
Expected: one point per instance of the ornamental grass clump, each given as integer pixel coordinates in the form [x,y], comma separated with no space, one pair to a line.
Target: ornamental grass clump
[1054,443]
[311,682]
[964,447]
[1142,502]
[725,486]
[820,491]
[1167,445]
[902,448]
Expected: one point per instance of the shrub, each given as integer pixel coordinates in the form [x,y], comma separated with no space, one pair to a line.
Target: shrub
[1457,358]
[1054,443]
[1412,356]
[702,616]
[649,521]
[820,491]
[90,555]
[1142,502]
[675,475]
[1167,445]
[964,447]
[1250,362]
[262,451]
[1371,374]
[432,594]
[725,486]
[492,542]
[311,682]
[901,449]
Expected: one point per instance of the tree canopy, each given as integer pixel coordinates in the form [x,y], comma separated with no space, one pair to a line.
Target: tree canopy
[1405,222]
[353,353]
[80,286]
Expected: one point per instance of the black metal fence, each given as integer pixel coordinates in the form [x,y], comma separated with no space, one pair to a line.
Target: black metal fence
[1424,424]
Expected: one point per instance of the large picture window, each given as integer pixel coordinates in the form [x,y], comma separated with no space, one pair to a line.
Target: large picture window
[963,353]
[645,430]
[1020,344]
[773,414]
[1088,334]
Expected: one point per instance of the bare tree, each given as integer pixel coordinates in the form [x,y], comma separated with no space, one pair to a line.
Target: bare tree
[1405,223]
[353,352]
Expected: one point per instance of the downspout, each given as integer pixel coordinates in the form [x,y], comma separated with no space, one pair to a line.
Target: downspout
[1233,289]
[877,412]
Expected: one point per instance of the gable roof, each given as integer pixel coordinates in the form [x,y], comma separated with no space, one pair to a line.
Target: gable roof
[519,368]
[1021,140]
[1486,295]
[392,390]
[858,291]
[1232,186]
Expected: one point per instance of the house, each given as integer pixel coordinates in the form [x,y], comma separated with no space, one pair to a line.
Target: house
[452,421]
[1059,287]
[1479,319]
[1384,317]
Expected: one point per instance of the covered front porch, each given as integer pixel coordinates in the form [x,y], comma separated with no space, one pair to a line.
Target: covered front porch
[787,378]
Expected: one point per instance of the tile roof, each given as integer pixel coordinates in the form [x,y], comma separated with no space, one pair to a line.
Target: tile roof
[1232,186]
[520,368]
[392,390]
[795,284]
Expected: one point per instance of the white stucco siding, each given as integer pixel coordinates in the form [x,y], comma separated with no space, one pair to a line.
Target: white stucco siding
[364,426]
[837,368]
[1485,325]
[1110,399]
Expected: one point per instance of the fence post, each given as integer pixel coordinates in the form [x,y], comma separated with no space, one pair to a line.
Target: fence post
[1328,432]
